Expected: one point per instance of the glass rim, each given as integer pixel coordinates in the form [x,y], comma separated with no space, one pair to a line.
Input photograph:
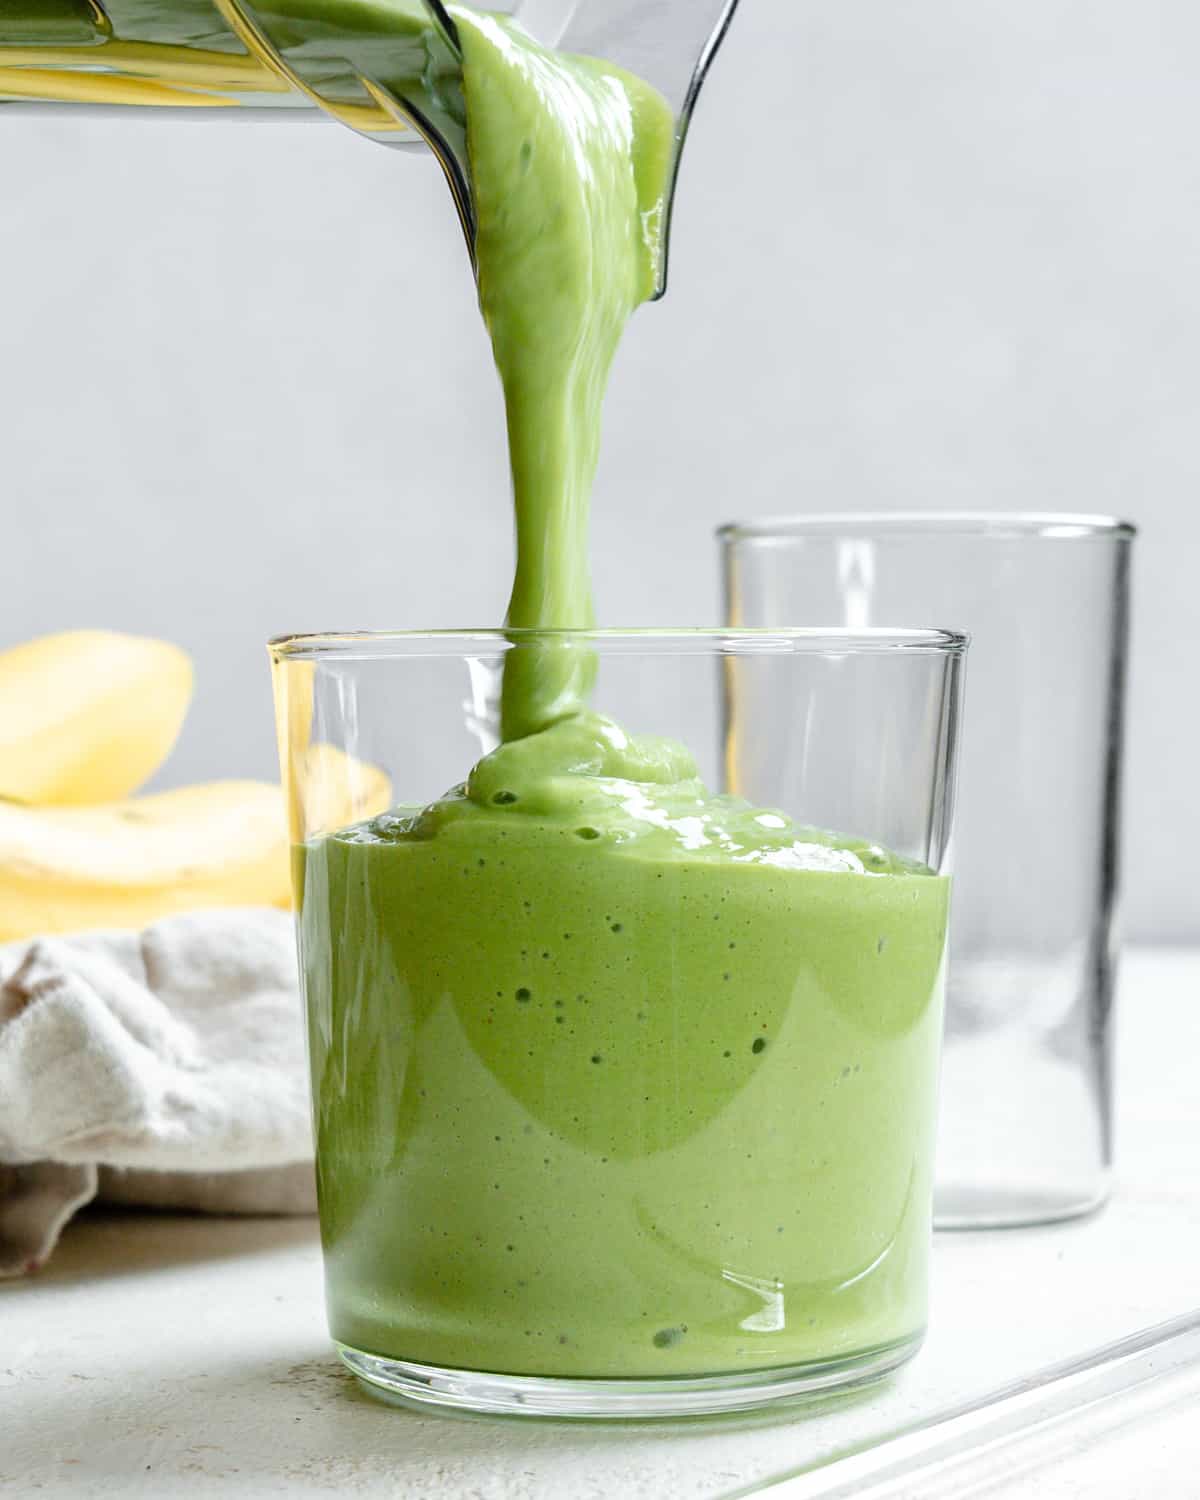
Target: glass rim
[989,524]
[360,645]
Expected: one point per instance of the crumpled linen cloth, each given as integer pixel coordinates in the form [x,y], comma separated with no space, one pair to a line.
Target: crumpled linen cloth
[163,1068]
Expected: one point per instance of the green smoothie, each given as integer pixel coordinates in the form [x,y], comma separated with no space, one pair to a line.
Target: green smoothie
[615,1078]
[612,1076]
[570,162]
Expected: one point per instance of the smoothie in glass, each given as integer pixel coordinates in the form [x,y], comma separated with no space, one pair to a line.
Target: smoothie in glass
[612,1080]
[614,1077]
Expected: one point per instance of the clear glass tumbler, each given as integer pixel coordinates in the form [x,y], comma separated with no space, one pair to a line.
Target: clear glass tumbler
[1026,1117]
[624,1067]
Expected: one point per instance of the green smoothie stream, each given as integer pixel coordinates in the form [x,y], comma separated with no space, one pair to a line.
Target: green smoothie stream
[612,1076]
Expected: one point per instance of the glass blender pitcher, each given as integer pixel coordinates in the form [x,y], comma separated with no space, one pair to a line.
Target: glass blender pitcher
[389,69]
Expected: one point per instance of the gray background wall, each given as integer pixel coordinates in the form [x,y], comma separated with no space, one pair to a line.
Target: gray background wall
[932,254]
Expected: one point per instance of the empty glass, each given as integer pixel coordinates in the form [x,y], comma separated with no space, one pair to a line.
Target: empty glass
[624,1088]
[1026,1132]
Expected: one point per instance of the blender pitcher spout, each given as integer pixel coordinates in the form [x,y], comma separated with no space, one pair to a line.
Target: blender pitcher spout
[389,69]
[393,72]
[670,44]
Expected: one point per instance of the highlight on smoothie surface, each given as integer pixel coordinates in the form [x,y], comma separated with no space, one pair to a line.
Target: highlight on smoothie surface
[585,779]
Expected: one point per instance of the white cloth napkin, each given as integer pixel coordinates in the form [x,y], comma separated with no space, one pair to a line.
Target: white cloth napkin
[163,1068]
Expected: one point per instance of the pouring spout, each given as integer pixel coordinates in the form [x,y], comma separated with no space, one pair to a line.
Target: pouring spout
[392,72]
[668,43]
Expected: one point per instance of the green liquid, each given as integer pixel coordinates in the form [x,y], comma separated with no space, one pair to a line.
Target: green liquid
[565,256]
[612,1077]
[603,1087]
[588,1107]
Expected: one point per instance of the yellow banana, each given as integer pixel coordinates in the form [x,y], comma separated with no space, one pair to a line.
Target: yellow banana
[129,863]
[87,716]
[330,789]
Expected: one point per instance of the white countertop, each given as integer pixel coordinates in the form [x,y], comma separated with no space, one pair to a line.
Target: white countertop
[188,1356]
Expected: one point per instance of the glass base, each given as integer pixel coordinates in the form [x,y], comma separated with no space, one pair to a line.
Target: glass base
[674,1396]
[981,1207]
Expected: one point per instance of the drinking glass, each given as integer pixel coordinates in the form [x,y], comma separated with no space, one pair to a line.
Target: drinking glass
[1026,1116]
[615,1116]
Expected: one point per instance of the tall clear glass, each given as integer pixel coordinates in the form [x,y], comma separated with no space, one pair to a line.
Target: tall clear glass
[1026,1132]
[624,1082]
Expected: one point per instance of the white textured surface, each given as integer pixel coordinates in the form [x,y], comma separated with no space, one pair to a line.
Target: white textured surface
[189,1356]
[174,1050]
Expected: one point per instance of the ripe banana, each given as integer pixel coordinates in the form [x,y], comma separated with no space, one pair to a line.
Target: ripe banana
[88,715]
[125,864]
